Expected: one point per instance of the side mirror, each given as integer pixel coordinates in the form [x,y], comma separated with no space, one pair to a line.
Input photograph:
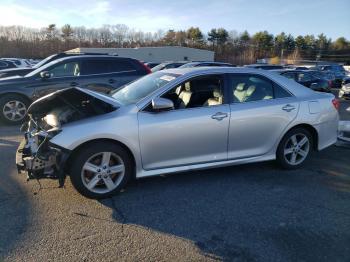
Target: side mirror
[161,104]
[45,75]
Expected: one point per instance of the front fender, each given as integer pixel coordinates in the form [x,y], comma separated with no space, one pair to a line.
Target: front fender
[123,129]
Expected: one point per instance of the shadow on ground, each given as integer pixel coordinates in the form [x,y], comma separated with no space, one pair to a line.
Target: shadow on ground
[250,212]
[14,205]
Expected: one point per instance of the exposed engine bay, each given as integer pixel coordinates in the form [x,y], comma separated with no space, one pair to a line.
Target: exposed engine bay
[35,155]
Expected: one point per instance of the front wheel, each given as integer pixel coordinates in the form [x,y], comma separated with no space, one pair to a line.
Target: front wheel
[295,148]
[101,169]
[13,108]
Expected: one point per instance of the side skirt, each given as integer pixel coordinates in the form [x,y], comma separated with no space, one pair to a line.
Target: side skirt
[155,172]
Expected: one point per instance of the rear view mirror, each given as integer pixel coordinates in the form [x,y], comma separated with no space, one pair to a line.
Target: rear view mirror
[160,104]
[45,75]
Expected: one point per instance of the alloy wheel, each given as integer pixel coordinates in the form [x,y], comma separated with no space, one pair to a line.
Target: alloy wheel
[296,149]
[14,110]
[103,172]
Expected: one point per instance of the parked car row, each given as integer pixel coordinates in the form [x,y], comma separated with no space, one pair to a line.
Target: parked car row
[19,87]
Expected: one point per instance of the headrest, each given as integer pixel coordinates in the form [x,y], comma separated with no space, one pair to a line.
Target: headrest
[250,90]
[240,87]
[217,93]
[187,86]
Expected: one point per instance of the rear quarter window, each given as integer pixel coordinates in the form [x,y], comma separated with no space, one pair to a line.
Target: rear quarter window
[280,92]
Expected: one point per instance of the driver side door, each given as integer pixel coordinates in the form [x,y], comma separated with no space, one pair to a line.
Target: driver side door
[186,135]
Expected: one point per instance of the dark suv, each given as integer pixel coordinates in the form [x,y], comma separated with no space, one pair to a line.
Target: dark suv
[100,73]
[22,71]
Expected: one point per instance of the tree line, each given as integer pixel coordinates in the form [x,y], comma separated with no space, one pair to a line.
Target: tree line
[229,46]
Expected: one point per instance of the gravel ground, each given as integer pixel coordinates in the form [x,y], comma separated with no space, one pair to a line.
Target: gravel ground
[253,212]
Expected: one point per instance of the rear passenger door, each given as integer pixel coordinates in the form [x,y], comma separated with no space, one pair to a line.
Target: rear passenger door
[97,75]
[260,112]
[106,74]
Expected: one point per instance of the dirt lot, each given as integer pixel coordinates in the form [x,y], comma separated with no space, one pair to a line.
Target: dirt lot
[243,213]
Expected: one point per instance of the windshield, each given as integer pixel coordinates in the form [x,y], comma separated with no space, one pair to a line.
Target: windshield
[43,62]
[142,87]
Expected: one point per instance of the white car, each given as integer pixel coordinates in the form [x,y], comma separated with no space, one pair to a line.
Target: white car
[175,120]
[344,91]
[19,62]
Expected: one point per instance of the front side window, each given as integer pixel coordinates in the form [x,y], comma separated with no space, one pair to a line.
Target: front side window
[247,88]
[66,69]
[197,92]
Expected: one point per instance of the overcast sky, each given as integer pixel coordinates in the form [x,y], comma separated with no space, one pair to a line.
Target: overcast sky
[331,17]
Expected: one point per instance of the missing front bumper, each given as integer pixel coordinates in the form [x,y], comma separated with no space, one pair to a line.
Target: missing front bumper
[49,163]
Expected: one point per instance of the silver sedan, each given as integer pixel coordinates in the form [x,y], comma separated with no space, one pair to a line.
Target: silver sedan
[171,121]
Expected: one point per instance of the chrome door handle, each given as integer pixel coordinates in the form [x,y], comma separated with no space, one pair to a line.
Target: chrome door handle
[219,116]
[288,108]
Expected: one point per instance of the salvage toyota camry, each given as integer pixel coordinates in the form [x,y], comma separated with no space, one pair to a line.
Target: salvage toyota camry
[171,121]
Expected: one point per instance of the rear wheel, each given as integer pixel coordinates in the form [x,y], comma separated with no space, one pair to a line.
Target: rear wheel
[101,169]
[13,108]
[295,148]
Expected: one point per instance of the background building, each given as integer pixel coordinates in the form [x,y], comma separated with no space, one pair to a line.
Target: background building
[155,54]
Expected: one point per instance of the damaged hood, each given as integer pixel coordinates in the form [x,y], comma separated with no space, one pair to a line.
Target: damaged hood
[45,103]
[69,105]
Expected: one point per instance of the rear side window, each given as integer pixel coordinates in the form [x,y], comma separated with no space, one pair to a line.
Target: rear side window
[103,66]
[280,92]
[122,65]
[90,67]
[247,88]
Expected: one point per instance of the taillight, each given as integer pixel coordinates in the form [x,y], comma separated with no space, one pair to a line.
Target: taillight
[336,103]
[148,70]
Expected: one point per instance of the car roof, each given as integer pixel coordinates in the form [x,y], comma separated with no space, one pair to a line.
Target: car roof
[84,57]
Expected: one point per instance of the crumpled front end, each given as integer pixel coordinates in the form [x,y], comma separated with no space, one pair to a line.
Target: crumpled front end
[47,116]
[38,158]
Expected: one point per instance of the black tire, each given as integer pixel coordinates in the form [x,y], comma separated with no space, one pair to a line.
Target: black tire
[85,154]
[280,154]
[8,98]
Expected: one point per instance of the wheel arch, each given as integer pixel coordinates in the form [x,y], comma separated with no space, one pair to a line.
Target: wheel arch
[308,127]
[80,147]
[17,94]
